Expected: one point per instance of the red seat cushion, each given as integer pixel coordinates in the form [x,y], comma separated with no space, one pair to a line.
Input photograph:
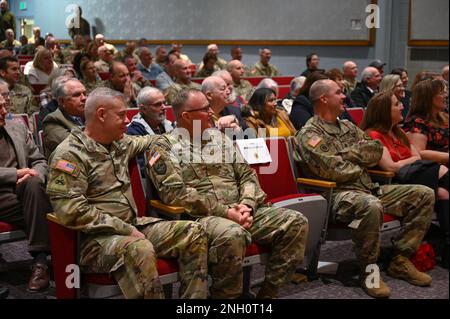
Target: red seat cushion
[5,227]
[388,218]
[255,249]
[165,266]
[287,197]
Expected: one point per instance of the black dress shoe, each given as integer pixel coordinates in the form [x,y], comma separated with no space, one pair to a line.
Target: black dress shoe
[4,292]
[39,279]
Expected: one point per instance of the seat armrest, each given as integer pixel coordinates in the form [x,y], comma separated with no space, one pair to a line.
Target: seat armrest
[316,182]
[383,174]
[174,210]
[52,218]
[383,177]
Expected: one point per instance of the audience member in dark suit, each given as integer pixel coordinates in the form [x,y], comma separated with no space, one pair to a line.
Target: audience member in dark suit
[71,97]
[23,200]
[366,89]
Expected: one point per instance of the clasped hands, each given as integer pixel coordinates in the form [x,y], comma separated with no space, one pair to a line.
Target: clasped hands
[241,214]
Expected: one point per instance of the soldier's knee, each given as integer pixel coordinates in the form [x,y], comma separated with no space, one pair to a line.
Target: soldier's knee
[236,234]
[374,212]
[426,192]
[196,231]
[296,218]
[141,250]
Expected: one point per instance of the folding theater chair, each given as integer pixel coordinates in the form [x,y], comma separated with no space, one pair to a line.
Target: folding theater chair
[278,182]
[65,252]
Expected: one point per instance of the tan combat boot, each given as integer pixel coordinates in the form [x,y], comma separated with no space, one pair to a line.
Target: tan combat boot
[402,268]
[267,291]
[383,290]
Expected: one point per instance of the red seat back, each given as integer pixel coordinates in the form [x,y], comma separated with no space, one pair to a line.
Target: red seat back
[283,90]
[132,112]
[283,80]
[197,80]
[37,88]
[170,115]
[5,227]
[137,188]
[357,114]
[277,178]
[103,75]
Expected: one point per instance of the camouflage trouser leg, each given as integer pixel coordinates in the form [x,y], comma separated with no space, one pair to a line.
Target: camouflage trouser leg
[364,214]
[227,242]
[411,203]
[414,204]
[131,260]
[286,231]
[186,241]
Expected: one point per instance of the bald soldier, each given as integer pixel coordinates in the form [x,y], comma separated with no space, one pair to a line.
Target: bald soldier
[263,67]
[223,192]
[339,151]
[241,86]
[89,187]
[182,80]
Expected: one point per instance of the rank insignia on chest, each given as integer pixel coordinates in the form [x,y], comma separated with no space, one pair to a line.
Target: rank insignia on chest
[314,141]
[66,167]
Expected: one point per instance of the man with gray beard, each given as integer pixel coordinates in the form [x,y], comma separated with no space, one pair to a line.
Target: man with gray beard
[151,119]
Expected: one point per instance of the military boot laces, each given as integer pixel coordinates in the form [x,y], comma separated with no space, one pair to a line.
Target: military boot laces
[402,268]
[267,291]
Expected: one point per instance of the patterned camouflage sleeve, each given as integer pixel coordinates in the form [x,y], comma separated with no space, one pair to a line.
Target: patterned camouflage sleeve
[323,159]
[67,188]
[138,144]
[165,172]
[32,105]
[366,153]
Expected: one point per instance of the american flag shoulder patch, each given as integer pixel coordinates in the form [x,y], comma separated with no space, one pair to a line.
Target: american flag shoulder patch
[152,160]
[66,167]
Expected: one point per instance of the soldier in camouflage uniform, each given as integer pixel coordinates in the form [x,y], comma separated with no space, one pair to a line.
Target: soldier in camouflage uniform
[182,80]
[22,100]
[241,86]
[263,67]
[89,187]
[224,194]
[120,80]
[339,151]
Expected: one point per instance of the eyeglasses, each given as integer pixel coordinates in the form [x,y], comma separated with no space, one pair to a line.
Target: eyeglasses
[7,94]
[158,104]
[204,109]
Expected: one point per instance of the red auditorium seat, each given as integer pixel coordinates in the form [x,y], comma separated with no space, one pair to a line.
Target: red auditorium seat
[278,181]
[65,245]
[103,75]
[283,90]
[357,114]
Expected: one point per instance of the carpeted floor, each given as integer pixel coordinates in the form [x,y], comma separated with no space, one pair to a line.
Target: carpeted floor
[15,268]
